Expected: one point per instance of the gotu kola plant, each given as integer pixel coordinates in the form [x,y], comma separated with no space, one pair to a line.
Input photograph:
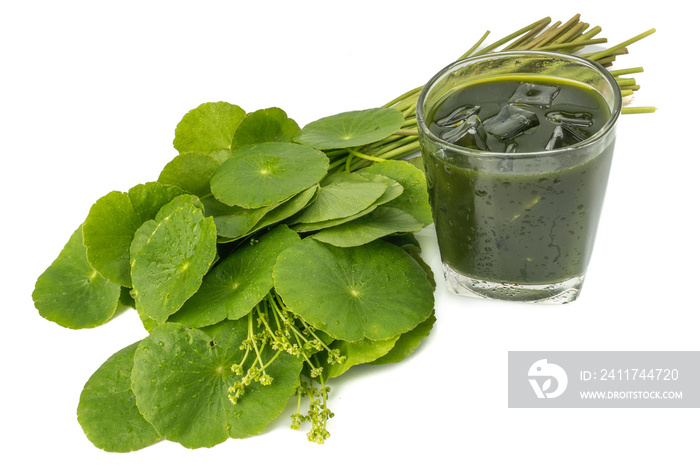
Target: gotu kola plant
[258,274]
[263,261]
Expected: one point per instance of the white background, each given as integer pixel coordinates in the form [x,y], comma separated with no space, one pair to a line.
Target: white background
[89,98]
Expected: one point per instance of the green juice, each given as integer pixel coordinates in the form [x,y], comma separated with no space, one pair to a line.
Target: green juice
[526,218]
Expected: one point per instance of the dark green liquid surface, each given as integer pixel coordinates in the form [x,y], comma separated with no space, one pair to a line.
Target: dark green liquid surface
[517,227]
[570,103]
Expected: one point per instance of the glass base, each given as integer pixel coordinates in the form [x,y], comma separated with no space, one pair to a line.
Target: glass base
[550,293]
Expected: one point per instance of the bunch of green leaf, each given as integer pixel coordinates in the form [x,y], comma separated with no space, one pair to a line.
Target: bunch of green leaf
[258,272]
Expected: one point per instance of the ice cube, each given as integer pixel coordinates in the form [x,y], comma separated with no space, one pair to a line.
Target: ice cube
[505,164]
[458,116]
[511,148]
[556,140]
[564,135]
[574,119]
[470,134]
[510,122]
[538,95]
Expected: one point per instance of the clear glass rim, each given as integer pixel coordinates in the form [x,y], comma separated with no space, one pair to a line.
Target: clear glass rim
[602,133]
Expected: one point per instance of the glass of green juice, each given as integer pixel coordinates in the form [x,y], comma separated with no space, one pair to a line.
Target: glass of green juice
[517,148]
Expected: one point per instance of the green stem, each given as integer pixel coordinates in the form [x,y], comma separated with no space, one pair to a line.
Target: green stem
[622,82]
[383,149]
[621,45]
[519,32]
[624,71]
[410,110]
[404,96]
[410,122]
[252,340]
[337,164]
[516,44]
[404,150]
[475,46]
[605,61]
[365,156]
[591,33]
[309,329]
[564,29]
[263,320]
[633,110]
[335,153]
[573,33]
[397,153]
[578,43]
[543,38]
[272,359]
[407,132]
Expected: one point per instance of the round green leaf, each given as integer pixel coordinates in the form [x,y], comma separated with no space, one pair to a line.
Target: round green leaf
[414,252]
[191,172]
[346,195]
[407,343]
[359,352]
[393,187]
[414,199]
[107,409]
[268,174]
[208,128]
[73,294]
[373,291]
[316,226]
[393,190]
[232,222]
[239,282]
[286,209]
[417,162]
[350,129]
[266,125]
[181,380]
[112,222]
[381,222]
[169,257]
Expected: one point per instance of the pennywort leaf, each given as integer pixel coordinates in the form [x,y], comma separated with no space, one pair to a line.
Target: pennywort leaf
[181,381]
[73,294]
[380,222]
[373,291]
[267,174]
[407,343]
[107,411]
[287,209]
[350,129]
[359,352]
[266,125]
[346,195]
[239,282]
[169,257]
[190,172]
[233,222]
[112,221]
[414,199]
[208,128]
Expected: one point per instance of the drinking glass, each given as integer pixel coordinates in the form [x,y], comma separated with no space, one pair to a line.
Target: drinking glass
[517,226]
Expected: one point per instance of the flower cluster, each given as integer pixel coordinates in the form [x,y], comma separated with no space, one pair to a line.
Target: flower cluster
[272,325]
